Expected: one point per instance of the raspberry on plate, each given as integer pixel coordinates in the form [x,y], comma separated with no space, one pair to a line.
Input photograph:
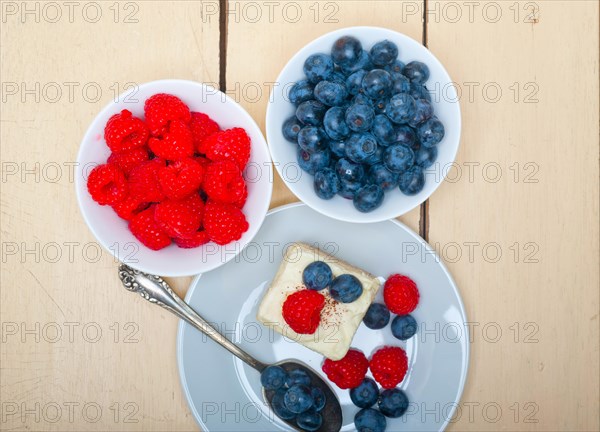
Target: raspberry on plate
[180,218]
[231,144]
[302,311]
[163,108]
[348,372]
[202,126]
[128,160]
[146,230]
[224,182]
[129,207]
[143,181]
[177,142]
[224,223]
[107,184]
[181,178]
[197,239]
[400,294]
[124,132]
[388,366]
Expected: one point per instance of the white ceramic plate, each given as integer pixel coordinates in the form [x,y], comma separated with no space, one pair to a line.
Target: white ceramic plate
[224,394]
[445,102]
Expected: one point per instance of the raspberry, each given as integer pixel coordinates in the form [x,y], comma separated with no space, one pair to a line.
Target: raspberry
[348,372]
[143,181]
[224,223]
[388,366]
[400,294]
[302,311]
[224,182]
[181,179]
[163,108]
[180,218]
[195,240]
[242,201]
[176,143]
[202,126]
[107,184]
[124,132]
[129,207]
[146,230]
[129,159]
[232,144]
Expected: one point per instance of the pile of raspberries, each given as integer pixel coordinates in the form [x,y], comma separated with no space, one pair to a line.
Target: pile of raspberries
[175,176]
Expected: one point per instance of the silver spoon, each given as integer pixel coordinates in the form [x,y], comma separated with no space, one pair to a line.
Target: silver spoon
[156,290]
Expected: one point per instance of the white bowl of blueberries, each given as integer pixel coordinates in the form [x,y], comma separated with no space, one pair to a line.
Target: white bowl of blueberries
[364,124]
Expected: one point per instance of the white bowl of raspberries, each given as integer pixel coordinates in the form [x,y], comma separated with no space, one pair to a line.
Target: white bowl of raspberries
[173,178]
[364,124]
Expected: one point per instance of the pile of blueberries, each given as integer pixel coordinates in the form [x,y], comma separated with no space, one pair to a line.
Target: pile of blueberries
[294,398]
[364,123]
[344,288]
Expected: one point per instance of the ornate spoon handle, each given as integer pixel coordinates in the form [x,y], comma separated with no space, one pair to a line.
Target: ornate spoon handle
[157,291]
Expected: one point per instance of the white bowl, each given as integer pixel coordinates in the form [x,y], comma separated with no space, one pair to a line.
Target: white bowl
[112,232]
[445,102]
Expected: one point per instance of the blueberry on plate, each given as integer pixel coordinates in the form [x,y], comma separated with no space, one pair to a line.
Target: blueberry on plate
[376,157]
[384,53]
[330,93]
[404,327]
[398,158]
[383,177]
[393,403]
[400,84]
[364,63]
[400,108]
[416,71]
[312,139]
[369,420]
[301,91]
[309,420]
[334,123]
[348,189]
[349,171]
[412,181]
[377,317]
[319,399]
[366,394]
[278,405]
[326,183]
[345,288]
[297,376]
[426,156]
[368,198]
[338,148]
[423,112]
[419,91]
[311,112]
[346,51]
[407,136]
[395,67]
[318,67]
[313,162]
[359,117]
[360,146]
[384,131]
[431,132]
[316,276]
[298,398]
[377,84]
[273,377]
[290,129]
[354,82]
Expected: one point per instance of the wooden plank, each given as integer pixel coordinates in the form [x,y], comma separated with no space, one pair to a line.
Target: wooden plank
[540,212]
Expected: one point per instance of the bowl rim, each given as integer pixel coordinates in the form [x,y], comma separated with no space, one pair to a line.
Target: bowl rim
[356,217]
[79,190]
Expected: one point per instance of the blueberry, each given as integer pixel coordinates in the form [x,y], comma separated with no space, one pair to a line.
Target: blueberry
[393,403]
[337,77]
[398,158]
[309,420]
[395,67]
[369,420]
[349,189]
[360,146]
[366,394]
[416,71]
[354,82]
[376,157]
[404,327]
[278,405]
[418,91]
[406,135]
[319,398]
[301,92]
[311,112]
[361,98]
[363,63]
[368,198]
[377,317]
[346,51]
[330,93]
[383,129]
[326,184]
[297,377]
[345,288]
[400,109]
[290,129]
[384,53]
[383,177]
[431,132]
[412,181]
[426,156]
[318,67]
[377,84]
[338,148]
[317,276]
[400,84]
[349,171]
[313,162]
[334,123]
[312,139]
[359,117]
[423,112]
[298,398]
[273,377]
[380,105]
